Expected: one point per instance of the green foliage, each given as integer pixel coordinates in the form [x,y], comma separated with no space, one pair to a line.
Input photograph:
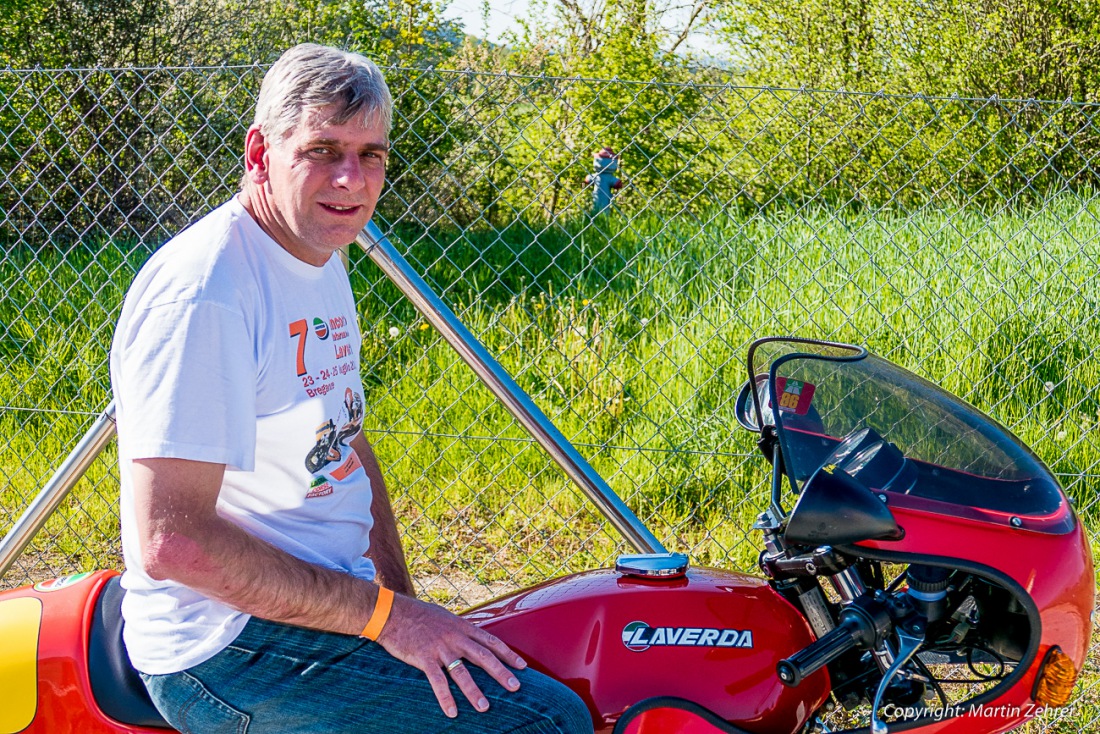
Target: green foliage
[528,138]
[118,33]
[105,153]
[136,153]
[1030,49]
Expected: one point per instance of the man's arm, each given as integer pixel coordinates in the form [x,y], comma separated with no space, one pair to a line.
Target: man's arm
[183,538]
[385,540]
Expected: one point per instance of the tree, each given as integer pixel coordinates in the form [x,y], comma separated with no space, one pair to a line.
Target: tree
[1010,48]
[121,33]
[575,31]
[113,33]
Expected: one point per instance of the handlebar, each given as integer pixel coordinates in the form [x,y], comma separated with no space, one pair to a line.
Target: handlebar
[862,626]
[793,670]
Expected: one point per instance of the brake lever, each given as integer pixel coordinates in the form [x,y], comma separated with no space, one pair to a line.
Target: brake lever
[910,638]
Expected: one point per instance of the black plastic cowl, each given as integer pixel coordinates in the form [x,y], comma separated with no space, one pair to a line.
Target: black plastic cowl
[835,508]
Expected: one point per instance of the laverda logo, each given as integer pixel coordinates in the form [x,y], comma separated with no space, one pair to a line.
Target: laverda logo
[638,636]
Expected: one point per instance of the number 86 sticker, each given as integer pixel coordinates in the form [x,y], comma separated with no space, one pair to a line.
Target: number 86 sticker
[794,396]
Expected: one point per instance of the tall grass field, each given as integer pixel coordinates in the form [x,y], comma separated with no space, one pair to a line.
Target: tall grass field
[631,334]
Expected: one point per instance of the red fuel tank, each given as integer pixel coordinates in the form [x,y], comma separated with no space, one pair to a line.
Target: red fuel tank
[712,637]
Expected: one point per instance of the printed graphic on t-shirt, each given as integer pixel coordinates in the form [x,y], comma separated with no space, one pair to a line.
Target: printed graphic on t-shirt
[318,378]
[332,443]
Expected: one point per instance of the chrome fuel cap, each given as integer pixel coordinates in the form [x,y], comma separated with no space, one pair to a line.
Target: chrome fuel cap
[653,565]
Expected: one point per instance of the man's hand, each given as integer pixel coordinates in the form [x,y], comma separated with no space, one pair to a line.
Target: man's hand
[430,638]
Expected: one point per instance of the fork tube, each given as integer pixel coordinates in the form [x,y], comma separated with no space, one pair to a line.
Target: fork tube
[497,379]
[848,585]
[63,480]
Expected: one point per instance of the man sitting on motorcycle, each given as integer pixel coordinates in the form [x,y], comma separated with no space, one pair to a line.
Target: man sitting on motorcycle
[254,602]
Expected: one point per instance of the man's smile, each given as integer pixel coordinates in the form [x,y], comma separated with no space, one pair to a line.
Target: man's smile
[342,208]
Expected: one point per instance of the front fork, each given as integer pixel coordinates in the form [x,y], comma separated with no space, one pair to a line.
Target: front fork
[797,579]
[804,589]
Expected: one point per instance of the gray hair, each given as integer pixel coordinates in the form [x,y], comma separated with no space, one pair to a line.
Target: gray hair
[309,75]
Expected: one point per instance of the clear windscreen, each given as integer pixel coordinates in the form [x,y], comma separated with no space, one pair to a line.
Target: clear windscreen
[898,433]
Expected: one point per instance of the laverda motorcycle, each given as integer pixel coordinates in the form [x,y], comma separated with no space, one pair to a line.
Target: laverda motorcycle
[920,571]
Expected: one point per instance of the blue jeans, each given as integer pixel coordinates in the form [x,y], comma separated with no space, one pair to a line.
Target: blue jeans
[288,680]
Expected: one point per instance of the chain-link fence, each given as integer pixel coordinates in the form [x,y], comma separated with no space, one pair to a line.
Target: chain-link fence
[958,237]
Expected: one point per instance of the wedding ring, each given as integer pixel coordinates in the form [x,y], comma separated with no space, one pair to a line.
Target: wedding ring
[452,665]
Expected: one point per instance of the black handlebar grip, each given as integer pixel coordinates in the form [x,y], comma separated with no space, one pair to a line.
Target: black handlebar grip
[810,659]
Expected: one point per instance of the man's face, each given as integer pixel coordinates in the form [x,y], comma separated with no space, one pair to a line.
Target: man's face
[317,188]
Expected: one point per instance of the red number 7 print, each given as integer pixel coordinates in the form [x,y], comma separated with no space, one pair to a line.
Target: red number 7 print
[299,329]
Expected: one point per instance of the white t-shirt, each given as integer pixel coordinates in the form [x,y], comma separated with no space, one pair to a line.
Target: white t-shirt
[230,350]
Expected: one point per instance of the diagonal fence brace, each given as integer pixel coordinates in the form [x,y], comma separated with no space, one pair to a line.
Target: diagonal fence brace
[472,352]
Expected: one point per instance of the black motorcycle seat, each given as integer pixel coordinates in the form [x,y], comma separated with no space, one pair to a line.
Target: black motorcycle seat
[116,687]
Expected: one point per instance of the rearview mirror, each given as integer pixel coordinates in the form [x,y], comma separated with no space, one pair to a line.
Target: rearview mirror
[745,407]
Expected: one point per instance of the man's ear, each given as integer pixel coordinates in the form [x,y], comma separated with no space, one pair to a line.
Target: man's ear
[255,155]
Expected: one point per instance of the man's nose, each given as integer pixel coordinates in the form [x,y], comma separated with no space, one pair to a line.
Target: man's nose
[349,173]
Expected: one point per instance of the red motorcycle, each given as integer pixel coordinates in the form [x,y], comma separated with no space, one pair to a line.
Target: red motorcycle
[931,576]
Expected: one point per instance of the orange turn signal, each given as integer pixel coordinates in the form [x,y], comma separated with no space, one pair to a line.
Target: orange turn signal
[1054,684]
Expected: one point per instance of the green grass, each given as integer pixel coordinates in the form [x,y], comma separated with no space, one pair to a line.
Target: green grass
[634,336]
[631,334]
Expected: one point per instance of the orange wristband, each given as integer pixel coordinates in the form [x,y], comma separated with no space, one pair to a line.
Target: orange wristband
[381,613]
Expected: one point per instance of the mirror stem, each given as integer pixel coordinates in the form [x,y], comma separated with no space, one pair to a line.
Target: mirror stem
[777,510]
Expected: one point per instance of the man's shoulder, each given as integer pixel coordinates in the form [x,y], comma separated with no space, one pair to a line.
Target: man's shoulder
[207,261]
[215,239]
